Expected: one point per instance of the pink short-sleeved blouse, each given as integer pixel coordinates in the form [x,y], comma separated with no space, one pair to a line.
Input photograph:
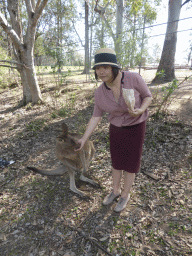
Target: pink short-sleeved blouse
[118,114]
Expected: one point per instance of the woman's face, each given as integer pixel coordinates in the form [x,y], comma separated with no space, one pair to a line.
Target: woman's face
[104,73]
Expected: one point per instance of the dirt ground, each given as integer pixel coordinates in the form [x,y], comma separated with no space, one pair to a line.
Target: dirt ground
[41,216]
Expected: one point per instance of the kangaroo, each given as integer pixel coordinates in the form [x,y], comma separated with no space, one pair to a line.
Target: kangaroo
[72,160]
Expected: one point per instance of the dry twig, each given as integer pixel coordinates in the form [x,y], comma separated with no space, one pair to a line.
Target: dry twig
[92,240]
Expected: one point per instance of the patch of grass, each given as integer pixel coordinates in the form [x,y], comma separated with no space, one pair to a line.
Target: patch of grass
[29,106]
[35,126]
[54,115]
[112,246]
[163,192]
[172,232]
[63,112]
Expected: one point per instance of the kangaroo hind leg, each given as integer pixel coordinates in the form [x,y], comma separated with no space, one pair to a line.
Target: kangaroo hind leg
[86,162]
[83,178]
[73,185]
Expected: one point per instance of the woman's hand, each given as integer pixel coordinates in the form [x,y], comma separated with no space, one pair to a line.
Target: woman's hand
[139,111]
[136,112]
[90,128]
[80,143]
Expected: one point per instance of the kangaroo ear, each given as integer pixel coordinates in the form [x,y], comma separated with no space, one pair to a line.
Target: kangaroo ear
[65,129]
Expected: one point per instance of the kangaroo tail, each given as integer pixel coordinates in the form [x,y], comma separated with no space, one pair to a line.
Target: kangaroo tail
[54,172]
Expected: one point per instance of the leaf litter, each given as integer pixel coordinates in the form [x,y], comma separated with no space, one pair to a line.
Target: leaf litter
[40,216]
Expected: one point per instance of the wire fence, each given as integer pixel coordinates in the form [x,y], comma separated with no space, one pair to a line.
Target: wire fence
[149,74]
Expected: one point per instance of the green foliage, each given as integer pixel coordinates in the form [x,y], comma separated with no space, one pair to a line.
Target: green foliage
[58,39]
[134,43]
[35,126]
[8,77]
[149,12]
[39,49]
[160,74]
[63,112]
[168,91]
[171,87]
[3,70]
[135,6]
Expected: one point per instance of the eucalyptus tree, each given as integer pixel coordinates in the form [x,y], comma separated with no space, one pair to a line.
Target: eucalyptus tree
[119,26]
[189,55]
[167,61]
[58,30]
[8,41]
[23,43]
[53,35]
[112,15]
[124,27]
[86,68]
[138,15]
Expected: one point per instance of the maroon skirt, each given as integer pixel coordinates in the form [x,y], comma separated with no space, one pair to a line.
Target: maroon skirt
[126,144]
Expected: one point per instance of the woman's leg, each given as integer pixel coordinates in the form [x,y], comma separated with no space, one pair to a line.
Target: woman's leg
[117,175]
[128,182]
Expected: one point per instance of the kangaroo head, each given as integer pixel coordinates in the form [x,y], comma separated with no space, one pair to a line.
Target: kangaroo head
[68,140]
[64,129]
[64,134]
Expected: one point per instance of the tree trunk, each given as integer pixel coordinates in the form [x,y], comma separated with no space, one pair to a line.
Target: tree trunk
[24,50]
[102,35]
[133,43]
[86,68]
[119,27]
[8,39]
[167,61]
[27,97]
[32,82]
[142,44]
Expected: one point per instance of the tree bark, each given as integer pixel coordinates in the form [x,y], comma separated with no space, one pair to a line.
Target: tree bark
[27,96]
[86,68]
[167,60]
[119,27]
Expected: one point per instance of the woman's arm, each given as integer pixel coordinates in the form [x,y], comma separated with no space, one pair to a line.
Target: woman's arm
[90,128]
[139,111]
[145,103]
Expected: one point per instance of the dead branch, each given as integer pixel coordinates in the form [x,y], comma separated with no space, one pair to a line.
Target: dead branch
[89,215]
[152,176]
[92,240]
[11,61]
[7,66]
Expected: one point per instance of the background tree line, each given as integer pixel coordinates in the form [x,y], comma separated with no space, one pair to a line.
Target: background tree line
[37,32]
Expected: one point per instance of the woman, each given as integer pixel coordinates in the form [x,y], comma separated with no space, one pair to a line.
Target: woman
[127,127]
